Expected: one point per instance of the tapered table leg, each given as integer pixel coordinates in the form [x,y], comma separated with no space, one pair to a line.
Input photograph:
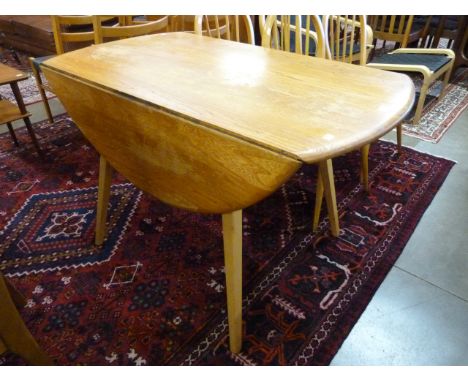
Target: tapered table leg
[399,131]
[104,185]
[232,234]
[326,173]
[365,166]
[318,201]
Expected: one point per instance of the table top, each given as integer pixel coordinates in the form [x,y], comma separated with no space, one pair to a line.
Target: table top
[301,107]
[9,74]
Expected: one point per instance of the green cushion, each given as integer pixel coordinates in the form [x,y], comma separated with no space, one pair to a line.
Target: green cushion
[432,61]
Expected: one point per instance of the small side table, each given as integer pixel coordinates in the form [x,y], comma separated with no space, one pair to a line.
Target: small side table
[9,112]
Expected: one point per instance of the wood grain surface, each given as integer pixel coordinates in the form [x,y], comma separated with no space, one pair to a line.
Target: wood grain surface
[302,107]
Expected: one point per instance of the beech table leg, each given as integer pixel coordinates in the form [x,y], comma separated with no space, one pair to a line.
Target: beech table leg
[232,235]
[365,166]
[105,177]
[399,135]
[326,172]
[318,201]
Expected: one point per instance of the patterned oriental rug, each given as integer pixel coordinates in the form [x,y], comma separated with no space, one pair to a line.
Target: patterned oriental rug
[154,293]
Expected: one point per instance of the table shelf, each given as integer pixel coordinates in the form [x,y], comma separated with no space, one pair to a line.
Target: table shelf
[9,112]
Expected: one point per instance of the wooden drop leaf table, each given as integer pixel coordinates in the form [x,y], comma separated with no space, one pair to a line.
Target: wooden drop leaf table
[214,126]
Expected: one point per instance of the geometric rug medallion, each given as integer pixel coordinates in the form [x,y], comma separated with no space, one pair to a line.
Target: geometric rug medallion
[55,230]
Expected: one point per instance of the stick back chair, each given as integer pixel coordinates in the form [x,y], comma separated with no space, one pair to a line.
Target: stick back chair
[69,32]
[234,27]
[399,29]
[347,39]
[298,34]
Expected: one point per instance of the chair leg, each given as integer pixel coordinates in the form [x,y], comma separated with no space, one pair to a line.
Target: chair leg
[318,201]
[422,99]
[326,172]
[14,335]
[365,166]
[232,235]
[447,76]
[399,135]
[12,133]
[29,127]
[40,86]
[105,177]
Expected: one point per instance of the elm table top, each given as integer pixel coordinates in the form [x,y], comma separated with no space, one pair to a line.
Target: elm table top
[234,114]
[304,107]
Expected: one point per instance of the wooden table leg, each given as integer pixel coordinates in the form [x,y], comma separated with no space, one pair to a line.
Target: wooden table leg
[104,185]
[365,166]
[399,132]
[14,334]
[232,234]
[318,201]
[326,172]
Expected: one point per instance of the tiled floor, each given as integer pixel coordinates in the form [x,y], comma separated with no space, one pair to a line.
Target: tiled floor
[419,315]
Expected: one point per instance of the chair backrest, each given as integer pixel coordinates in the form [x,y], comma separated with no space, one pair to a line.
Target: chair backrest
[392,28]
[127,26]
[298,34]
[77,30]
[348,38]
[235,27]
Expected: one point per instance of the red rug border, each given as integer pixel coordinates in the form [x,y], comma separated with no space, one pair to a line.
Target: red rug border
[339,336]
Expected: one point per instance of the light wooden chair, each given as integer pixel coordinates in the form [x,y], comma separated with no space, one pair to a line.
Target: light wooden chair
[303,34]
[347,39]
[234,27]
[69,32]
[432,63]
[399,29]
[128,26]
[293,33]
[14,335]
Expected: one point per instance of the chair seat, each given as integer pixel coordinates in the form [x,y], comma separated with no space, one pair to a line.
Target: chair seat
[37,61]
[433,62]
